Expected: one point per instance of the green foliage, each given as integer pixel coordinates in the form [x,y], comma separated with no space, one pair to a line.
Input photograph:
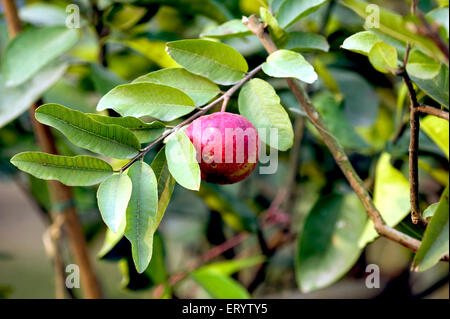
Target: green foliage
[361,42]
[140,99]
[422,66]
[218,285]
[260,104]
[113,195]
[436,238]
[216,61]
[199,89]
[141,213]
[307,42]
[231,29]
[328,245]
[72,171]
[437,129]
[383,57]
[109,140]
[289,64]
[25,54]
[291,11]
[182,161]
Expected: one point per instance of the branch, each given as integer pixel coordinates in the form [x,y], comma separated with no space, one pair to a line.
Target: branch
[428,30]
[413,144]
[335,148]
[61,195]
[432,111]
[202,111]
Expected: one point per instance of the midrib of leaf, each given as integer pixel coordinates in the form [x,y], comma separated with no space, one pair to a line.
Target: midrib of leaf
[264,108]
[64,167]
[209,59]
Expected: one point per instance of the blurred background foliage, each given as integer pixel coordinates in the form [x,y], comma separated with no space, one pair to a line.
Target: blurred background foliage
[364,109]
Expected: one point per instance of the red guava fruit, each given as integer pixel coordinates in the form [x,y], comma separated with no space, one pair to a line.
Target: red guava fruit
[227,147]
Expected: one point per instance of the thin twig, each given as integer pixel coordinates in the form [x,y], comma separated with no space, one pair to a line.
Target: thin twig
[432,111]
[202,111]
[335,148]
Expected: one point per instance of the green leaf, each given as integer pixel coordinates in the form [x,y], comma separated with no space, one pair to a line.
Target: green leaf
[307,42]
[16,100]
[289,64]
[435,242]
[328,245]
[43,14]
[218,285]
[395,26]
[109,140]
[277,33]
[293,10]
[199,89]
[32,49]
[112,196]
[230,267]
[231,29]
[140,99]
[216,61]
[141,213]
[71,171]
[437,88]
[104,80]
[440,16]
[336,121]
[182,160]
[166,183]
[428,213]
[145,132]
[154,50]
[361,42]
[260,104]
[383,57]
[111,240]
[438,130]
[391,197]
[422,66]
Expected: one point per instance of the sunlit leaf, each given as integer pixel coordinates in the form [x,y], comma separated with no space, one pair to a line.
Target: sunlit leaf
[260,104]
[277,33]
[113,195]
[109,140]
[182,160]
[307,42]
[438,130]
[422,66]
[437,88]
[72,171]
[289,64]
[361,42]
[391,197]
[198,88]
[383,57]
[231,29]
[218,285]
[139,99]
[216,61]
[293,10]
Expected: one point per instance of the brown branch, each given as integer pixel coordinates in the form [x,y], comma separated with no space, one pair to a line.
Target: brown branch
[413,143]
[432,111]
[202,111]
[60,194]
[335,148]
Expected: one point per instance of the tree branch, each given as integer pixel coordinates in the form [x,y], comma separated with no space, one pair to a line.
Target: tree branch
[61,195]
[432,111]
[226,96]
[335,148]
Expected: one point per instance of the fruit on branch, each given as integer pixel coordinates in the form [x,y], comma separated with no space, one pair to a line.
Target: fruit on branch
[227,147]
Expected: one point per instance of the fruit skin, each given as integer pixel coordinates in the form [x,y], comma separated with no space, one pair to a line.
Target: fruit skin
[221,172]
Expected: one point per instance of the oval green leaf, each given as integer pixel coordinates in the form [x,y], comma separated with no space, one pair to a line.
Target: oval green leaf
[141,214]
[383,57]
[422,66]
[199,89]
[182,161]
[435,243]
[140,99]
[113,195]
[71,171]
[214,60]
[438,130]
[293,10]
[260,104]
[361,42]
[32,49]
[145,132]
[231,29]
[289,64]
[109,140]
[307,42]
[218,285]
[437,88]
